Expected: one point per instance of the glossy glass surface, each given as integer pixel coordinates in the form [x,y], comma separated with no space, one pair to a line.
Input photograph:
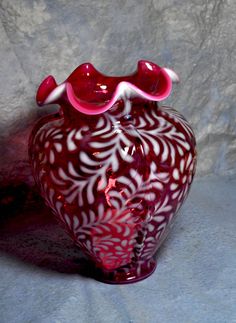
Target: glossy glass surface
[114,180]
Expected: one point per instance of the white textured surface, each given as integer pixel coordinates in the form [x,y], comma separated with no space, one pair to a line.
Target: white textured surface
[195,280]
[195,38]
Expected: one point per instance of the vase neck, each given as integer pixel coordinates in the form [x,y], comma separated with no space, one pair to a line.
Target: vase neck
[121,113]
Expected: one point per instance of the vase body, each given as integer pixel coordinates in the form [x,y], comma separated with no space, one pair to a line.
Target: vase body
[115,180]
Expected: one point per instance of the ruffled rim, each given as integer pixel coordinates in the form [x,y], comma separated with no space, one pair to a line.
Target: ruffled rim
[91,92]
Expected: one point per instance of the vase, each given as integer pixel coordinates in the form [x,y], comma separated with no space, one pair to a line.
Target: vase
[113,165]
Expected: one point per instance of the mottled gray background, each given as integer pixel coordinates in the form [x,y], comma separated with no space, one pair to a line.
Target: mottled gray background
[197,38]
[195,277]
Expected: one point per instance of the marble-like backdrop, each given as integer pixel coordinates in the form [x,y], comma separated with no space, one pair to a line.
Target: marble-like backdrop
[197,38]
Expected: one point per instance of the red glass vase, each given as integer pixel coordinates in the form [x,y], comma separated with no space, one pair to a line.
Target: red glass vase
[113,165]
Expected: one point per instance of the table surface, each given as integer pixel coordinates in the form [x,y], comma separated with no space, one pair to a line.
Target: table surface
[195,280]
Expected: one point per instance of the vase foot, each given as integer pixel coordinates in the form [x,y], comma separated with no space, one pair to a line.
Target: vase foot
[130,273]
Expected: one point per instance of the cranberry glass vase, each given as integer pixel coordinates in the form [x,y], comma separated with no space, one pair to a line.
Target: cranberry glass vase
[113,165]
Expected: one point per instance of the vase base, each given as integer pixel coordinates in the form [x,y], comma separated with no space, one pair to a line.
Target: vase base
[127,274]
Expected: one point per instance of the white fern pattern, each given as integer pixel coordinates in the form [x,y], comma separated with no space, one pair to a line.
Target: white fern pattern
[161,136]
[120,185]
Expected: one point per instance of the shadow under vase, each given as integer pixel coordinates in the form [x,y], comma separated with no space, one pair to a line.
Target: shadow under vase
[30,233]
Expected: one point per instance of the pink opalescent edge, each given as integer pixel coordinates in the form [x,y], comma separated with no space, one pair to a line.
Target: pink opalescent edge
[49,92]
